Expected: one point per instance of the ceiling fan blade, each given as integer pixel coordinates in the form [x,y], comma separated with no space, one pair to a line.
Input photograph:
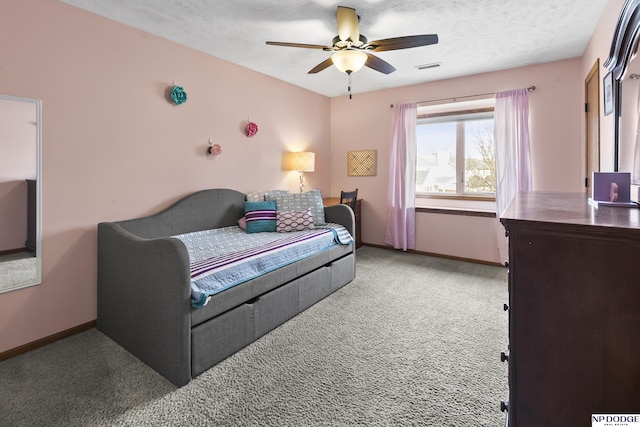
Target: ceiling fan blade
[402,42]
[321,66]
[347,24]
[306,46]
[379,64]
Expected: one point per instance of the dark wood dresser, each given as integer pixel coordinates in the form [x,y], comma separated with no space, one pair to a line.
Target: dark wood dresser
[574,310]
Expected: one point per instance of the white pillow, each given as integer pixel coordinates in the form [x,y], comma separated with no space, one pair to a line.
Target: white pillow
[256,196]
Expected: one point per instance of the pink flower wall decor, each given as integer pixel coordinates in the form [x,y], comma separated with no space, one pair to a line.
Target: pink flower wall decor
[252,129]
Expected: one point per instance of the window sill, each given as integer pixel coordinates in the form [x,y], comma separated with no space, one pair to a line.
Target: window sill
[457,206]
[457,211]
[429,197]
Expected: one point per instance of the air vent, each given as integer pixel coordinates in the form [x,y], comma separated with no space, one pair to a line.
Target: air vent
[428,66]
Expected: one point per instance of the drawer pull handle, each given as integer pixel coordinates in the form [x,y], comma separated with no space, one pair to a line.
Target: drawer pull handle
[505,307]
[504,357]
[504,406]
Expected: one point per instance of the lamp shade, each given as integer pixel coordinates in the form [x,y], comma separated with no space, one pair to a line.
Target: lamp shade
[301,161]
[349,61]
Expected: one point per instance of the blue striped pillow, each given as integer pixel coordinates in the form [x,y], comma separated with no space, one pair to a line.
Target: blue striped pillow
[260,216]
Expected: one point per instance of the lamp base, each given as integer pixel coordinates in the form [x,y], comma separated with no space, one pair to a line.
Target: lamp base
[301,182]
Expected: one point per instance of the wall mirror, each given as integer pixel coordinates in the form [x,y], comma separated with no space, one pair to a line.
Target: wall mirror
[625,72]
[20,192]
[629,146]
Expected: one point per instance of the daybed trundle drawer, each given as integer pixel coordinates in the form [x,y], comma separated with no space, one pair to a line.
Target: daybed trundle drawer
[314,287]
[276,307]
[220,337]
[342,272]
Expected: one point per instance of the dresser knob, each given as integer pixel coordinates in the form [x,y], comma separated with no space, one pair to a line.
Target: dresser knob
[506,264]
[505,307]
[504,357]
[504,406]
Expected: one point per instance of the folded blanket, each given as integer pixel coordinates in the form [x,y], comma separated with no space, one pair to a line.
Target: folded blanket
[225,257]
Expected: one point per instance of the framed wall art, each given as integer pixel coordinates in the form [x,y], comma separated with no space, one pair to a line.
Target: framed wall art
[362,163]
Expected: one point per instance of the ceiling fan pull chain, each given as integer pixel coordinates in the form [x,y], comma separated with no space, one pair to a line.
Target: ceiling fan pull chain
[349,84]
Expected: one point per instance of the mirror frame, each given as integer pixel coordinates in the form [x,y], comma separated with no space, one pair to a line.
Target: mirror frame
[623,49]
[38,279]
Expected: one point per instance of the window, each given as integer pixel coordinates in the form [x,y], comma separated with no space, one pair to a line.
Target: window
[456,153]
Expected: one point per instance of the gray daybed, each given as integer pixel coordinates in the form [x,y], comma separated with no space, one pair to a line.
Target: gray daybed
[144,297]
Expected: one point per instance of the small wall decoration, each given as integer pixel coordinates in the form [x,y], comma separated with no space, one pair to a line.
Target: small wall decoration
[214,149]
[362,163]
[178,95]
[252,129]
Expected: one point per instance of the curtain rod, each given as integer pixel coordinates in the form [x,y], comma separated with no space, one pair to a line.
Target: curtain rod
[454,99]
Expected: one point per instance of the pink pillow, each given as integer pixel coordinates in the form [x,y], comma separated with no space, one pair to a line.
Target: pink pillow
[242,223]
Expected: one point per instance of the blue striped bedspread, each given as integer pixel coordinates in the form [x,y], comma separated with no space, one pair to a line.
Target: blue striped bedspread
[225,257]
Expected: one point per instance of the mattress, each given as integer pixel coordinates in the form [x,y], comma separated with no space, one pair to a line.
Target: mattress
[225,257]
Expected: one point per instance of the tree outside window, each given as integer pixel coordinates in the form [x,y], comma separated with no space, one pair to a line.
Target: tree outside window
[480,159]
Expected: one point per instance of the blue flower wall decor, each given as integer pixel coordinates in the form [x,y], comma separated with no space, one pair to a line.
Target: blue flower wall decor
[178,95]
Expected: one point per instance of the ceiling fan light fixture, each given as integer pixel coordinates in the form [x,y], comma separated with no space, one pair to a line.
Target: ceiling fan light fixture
[349,61]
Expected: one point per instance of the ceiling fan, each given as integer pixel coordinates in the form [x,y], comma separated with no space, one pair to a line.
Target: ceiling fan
[352,48]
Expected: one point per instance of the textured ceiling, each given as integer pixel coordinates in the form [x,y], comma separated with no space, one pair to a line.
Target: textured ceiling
[476,36]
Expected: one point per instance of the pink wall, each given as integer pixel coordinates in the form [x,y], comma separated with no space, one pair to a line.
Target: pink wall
[364,122]
[114,148]
[17,163]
